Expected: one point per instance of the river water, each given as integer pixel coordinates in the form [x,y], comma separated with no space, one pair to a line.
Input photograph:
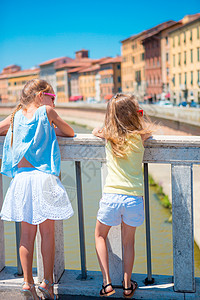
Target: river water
[161,230]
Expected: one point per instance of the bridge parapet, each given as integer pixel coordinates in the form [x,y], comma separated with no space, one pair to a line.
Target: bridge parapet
[181,153]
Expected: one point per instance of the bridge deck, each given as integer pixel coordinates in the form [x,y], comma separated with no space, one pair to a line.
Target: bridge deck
[72,289]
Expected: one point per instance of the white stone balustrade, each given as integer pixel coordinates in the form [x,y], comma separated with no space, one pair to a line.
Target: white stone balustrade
[181,153]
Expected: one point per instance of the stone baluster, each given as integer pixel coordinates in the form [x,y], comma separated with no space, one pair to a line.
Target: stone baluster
[114,244]
[59,263]
[2,243]
[183,237]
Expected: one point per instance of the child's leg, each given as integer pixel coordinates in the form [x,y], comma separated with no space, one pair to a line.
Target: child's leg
[128,239]
[48,251]
[101,233]
[28,233]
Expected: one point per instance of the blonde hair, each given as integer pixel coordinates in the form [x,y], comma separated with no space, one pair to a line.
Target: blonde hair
[28,94]
[123,121]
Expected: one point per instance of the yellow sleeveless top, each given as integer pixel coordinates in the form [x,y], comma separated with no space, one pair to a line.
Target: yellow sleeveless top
[125,174]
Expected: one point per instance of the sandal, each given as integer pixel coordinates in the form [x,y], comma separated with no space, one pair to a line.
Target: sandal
[103,292]
[29,293]
[45,292]
[132,289]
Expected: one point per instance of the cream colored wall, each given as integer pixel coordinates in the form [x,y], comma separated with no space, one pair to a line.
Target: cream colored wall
[189,66]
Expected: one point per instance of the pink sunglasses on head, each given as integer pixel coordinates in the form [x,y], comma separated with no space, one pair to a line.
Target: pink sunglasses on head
[52,95]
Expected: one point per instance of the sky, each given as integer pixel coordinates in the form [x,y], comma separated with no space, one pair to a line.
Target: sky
[35,31]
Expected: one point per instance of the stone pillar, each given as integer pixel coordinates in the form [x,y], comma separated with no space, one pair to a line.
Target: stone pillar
[59,264]
[114,244]
[183,238]
[2,243]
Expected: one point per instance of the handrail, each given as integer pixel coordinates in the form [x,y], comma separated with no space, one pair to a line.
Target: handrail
[181,153]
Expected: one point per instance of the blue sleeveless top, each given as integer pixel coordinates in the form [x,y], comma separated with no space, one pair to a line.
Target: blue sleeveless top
[34,139]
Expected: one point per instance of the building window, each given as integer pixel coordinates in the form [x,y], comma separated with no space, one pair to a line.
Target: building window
[179,40]
[185,58]
[191,77]
[173,80]
[184,37]
[179,59]
[173,41]
[133,59]
[198,32]
[198,76]
[191,35]
[185,78]
[198,54]
[167,71]
[158,63]
[118,67]
[173,60]
[119,79]
[179,78]
[166,39]
[142,56]
[191,55]
[167,56]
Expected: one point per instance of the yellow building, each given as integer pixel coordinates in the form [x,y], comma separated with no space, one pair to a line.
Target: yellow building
[3,88]
[61,82]
[185,60]
[16,82]
[133,66]
[87,79]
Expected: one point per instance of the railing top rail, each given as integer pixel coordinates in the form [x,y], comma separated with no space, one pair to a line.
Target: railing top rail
[158,149]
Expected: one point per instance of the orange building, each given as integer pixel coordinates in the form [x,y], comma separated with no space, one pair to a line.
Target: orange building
[110,77]
[4,81]
[16,82]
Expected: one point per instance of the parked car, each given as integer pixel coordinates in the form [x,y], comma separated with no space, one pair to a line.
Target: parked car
[193,104]
[183,103]
[164,103]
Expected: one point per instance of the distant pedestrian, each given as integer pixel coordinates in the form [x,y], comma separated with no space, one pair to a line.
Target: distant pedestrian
[35,196]
[122,201]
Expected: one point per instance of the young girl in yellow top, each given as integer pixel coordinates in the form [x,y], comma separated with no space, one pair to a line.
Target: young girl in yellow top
[122,201]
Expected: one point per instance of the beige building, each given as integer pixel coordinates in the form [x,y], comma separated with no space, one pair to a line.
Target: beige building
[185,60]
[165,59]
[133,66]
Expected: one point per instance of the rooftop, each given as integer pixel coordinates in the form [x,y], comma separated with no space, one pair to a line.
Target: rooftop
[117,59]
[193,19]
[20,73]
[48,62]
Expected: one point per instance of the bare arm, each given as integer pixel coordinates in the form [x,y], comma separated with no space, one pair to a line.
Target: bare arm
[4,125]
[99,132]
[63,129]
[145,137]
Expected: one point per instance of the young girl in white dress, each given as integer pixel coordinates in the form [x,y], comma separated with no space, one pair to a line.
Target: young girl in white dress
[31,156]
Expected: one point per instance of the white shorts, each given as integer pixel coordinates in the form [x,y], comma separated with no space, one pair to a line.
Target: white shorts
[115,208]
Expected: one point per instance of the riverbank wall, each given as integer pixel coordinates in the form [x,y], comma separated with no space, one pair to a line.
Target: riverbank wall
[170,121]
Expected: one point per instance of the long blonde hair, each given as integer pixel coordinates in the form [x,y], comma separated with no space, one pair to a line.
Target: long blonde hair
[122,120]
[28,94]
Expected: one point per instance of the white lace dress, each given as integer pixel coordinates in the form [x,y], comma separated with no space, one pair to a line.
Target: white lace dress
[34,196]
